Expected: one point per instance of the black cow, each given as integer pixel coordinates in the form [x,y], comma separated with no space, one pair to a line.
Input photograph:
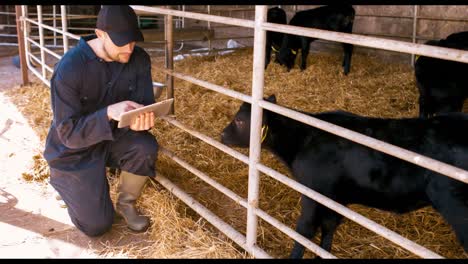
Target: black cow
[274,39]
[442,84]
[335,18]
[350,173]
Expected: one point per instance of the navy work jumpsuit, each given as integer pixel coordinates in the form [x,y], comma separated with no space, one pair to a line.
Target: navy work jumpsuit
[82,141]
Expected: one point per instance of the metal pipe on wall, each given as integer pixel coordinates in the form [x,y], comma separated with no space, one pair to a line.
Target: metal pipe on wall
[169,38]
[54,23]
[41,40]
[415,24]
[63,11]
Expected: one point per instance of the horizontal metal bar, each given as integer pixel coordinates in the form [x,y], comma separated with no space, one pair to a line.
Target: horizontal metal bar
[70,17]
[8,44]
[343,210]
[381,230]
[39,75]
[208,140]
[53,29]
[8,35]
[47,67]
[48,14]
[210,217]
[211,18]
[418,18]
[213,87]
[236,198]
[373,42]
[361,40]
[158,84]
[221,188]
[56,55]
[418,159]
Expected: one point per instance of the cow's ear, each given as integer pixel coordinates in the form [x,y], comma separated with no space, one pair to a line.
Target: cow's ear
[271,99]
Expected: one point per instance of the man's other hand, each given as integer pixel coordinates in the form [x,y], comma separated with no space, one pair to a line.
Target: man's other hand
[114,111]
[143,122]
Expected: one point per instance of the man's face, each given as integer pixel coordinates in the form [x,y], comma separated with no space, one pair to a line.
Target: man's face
[119,54]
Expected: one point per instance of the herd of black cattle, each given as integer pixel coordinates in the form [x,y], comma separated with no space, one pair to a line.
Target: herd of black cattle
[352,173]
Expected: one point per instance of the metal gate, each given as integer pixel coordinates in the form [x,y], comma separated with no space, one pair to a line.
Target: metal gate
[260,27]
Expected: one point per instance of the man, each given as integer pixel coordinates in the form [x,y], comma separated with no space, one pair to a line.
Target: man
[102,77]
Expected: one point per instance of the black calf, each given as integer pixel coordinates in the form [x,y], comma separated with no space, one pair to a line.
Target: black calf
[274,39]
[334,18]
[442,84]
[351,173]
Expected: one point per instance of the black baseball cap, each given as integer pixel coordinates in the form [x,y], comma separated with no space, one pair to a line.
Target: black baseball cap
[121,24]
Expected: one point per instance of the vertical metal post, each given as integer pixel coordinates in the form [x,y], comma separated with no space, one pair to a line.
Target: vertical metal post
[7,11]
[54,20]
[63,12]
[169,40]
[41,40]
[415,23]
[26,31]
[209,27]
[183,18]
[21,46]
[256,122]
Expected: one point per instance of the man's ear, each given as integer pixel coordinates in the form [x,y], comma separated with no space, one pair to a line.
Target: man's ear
[99,33]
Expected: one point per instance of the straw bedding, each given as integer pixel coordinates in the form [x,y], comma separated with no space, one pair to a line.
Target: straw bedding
[373,88]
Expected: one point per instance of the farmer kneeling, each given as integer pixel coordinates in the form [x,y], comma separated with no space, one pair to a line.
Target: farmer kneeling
[102,77]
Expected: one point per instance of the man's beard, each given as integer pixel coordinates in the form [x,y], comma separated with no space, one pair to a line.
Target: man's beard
[114,58]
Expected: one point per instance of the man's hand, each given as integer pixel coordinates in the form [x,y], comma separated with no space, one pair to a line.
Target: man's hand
[143,122]
[114,111]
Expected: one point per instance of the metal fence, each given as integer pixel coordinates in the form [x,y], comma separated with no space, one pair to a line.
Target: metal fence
[260,27]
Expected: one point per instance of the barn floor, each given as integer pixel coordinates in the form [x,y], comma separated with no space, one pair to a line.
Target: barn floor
[32,223]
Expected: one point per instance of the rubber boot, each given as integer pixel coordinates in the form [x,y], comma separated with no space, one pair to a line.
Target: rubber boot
[129,190]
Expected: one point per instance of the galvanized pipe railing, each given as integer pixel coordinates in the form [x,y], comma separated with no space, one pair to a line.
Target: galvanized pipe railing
[56,55]
[241,201]
[360,40]
[256,122]
[66,34]
[373,42]
[64,31]
[41,39]
[212,218]
[339,208]
[418,159]
[350,214]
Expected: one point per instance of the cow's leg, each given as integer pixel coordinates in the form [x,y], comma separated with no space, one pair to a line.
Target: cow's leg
[348,52]
[306,224]
[305,45]
[449,197]
[330,221]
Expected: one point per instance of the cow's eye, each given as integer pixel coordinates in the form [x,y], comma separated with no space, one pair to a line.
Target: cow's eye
[239,122]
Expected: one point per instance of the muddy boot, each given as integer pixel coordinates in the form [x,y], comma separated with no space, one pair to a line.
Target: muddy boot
[129,189]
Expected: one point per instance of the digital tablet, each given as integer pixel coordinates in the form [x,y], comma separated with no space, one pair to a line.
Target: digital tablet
[159,109]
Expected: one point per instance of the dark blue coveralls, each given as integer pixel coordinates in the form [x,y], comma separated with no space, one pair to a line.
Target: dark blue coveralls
[82,141]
